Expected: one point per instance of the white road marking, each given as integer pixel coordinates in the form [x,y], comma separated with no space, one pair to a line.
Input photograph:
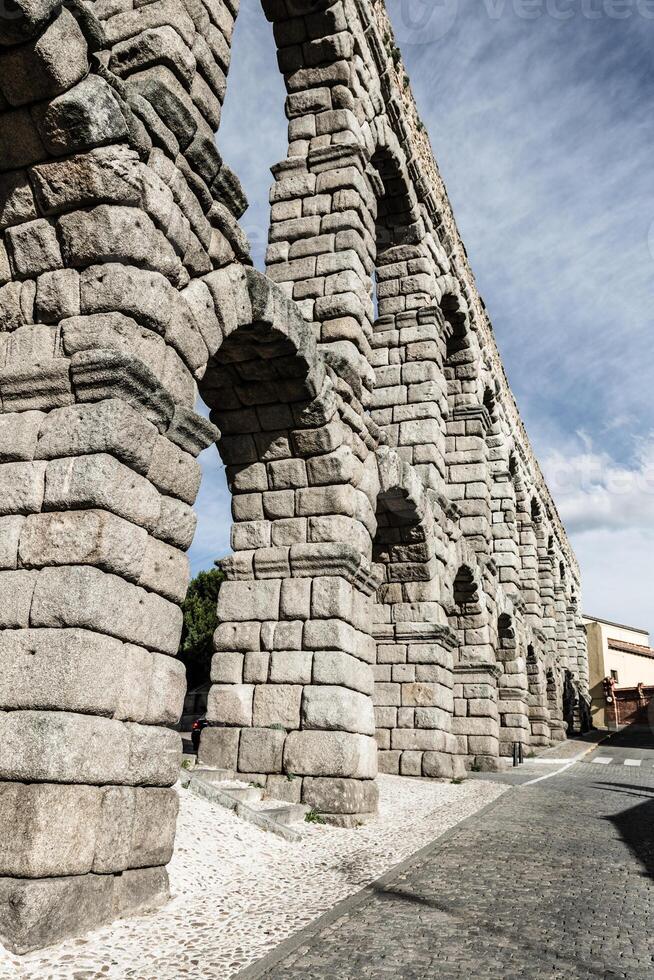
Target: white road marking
[633,762]
[548,775]
[602,760]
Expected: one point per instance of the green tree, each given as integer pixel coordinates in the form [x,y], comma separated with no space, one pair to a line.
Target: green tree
[199,608]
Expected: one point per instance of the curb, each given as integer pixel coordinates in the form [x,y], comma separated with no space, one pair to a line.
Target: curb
[262,966]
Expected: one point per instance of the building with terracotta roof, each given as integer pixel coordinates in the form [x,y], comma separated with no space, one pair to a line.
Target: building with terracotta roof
[621,669]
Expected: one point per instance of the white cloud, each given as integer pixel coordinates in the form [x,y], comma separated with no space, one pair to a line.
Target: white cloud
[608,511]
[593,492]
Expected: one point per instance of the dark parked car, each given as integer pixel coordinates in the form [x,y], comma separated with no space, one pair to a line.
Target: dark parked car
[196,728]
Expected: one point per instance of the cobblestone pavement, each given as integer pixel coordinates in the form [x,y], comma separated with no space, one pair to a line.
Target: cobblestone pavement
[554,880]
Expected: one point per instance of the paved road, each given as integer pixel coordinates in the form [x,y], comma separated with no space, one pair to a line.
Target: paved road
[555,880]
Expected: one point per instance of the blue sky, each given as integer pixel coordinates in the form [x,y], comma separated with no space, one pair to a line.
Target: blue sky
[540,118]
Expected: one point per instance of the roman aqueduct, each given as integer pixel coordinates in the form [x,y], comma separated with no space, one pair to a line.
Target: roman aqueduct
[401,594]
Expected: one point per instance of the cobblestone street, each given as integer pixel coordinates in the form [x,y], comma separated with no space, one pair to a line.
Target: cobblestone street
[553,880]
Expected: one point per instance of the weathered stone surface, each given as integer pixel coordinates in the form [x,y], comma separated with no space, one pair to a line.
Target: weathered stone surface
[21,487]
[18,435]
[337,708]
[16,199]
[340,795]
[337,668]
[57,295]
[173,471]
[111,232]
[329,753]
[290,667]
[100,481]
[164,570]
[48,829]
[58,746]
[87,598]
[110,426]
[230,704]
[261,749]
[84,537]
[37,913]
[219,748]
[54,829]
[277,704]
[176,524]
[114,331]
[80,671]
[10,528]
[56,61]
[85,116]
[242,601]
[16,592]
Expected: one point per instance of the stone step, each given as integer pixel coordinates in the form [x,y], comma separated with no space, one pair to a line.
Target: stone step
[286,815]
[242,794]
[243,801]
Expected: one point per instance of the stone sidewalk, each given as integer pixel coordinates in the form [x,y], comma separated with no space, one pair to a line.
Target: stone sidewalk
[553,880]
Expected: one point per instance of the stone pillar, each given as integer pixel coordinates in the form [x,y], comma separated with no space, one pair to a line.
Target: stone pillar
[581,651]
[413,700]
[476,715]
[539,716]
[469,474]
[546,581]
[528,559]
[410,399]
[555,705]
[108,175]
[563,623]
[505,552]
[290,705]
[512,690]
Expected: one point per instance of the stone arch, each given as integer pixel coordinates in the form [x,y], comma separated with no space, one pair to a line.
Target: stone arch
[468,424]
[539,717]
[554,685]
[512,687]
[292,670]
[413,685]
[407,337]
[476,718]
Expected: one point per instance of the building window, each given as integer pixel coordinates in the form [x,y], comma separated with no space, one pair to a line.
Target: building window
[614,676]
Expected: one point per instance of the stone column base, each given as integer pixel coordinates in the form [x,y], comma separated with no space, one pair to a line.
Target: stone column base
[37,912]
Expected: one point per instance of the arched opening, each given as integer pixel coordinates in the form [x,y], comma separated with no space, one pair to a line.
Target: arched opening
[489,402]
[291,674]
[395,226]
[536,513]
[476,718]
[512,688]
[413,672]
[555,704]
[466,595]
[539,717]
